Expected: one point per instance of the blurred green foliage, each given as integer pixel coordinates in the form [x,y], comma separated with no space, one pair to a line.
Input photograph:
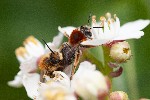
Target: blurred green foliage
[21,18]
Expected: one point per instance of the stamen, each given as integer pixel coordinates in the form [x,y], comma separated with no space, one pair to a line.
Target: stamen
[20,51]
[94,19]
[102,18]
[115,16]
[108,15]
[126,50]
[31,39]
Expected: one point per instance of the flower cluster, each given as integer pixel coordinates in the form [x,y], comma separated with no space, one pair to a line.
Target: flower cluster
[69,71]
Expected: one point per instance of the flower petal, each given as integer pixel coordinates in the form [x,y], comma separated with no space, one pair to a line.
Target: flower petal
[96,31]
[66,30]
[17,82]
[34,50]
[30,82]
[57,40]
[62,78]
[117,25]
[29,65]
[134,26]
[95,42]
[130,35]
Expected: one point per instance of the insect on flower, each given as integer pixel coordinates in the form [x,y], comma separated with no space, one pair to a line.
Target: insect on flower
[69,52]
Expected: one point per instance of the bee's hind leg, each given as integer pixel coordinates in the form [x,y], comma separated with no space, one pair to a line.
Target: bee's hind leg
[77,58]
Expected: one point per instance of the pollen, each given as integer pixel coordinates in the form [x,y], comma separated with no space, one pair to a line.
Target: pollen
[42,62]
[60,55]
[20,51]
[108,15]
[30,39]
[102,18]
[94,19]
[126,50]
[115,16]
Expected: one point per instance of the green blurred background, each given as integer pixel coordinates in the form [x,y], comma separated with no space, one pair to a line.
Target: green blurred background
[21,18]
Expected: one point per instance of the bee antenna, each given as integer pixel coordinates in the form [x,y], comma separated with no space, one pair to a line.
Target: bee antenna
[48,46]
[89,18]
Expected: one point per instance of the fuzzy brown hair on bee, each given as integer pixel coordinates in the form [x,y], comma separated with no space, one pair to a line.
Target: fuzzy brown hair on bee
[50,63]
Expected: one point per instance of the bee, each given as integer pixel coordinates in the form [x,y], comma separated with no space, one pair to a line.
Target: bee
[69,52]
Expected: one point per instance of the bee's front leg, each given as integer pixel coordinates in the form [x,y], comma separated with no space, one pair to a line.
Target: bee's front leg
[77,58]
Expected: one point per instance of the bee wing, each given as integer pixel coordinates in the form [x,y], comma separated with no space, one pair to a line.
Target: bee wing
[68,70]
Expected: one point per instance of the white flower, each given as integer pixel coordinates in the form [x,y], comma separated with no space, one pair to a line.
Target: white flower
[54,91]
[30,82]
[57,88]
[113,31]
[29,55]
[87,81]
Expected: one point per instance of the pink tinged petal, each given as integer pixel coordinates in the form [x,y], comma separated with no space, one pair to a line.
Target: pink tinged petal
[130,35]
[29,65]
[95,42]
[134,26]
[30,82]
[66,30]
[17,82]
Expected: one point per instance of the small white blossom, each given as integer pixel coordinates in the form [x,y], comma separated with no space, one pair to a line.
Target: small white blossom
[118,95]
[29,55]
[112,31]
[120,51]
[54,91]
[87,81]
[57,88]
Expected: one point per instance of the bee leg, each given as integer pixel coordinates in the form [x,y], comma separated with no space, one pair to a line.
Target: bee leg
[87,46]
[66,35]
[41,76]
[77,58]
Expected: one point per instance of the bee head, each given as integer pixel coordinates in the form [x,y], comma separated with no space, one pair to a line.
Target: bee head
[86,31]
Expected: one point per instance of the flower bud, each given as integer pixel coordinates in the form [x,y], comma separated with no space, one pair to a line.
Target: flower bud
[120,51]
[118,95]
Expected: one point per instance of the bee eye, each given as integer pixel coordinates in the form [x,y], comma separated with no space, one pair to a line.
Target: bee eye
[88,34]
